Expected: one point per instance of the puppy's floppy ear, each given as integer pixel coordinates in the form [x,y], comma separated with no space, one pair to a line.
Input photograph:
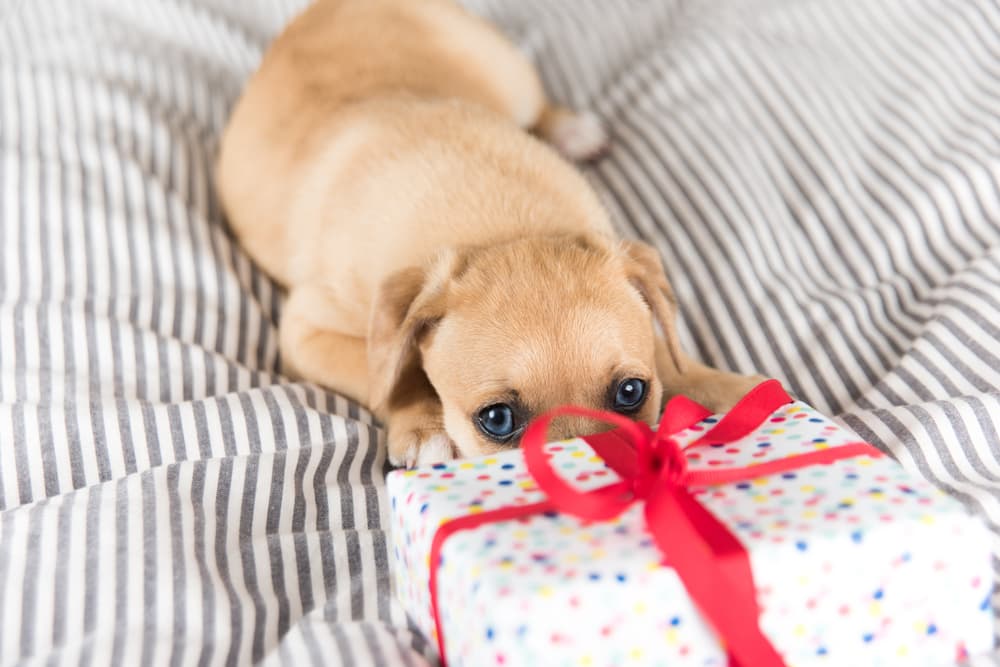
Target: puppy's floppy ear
[645,271]
[408,304]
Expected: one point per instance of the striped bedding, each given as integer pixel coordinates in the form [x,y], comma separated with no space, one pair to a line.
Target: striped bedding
[822,179]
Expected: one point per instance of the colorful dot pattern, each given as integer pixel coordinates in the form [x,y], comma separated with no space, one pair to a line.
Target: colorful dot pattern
[855,562]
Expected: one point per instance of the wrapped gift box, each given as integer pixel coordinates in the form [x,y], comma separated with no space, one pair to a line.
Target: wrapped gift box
[855,562]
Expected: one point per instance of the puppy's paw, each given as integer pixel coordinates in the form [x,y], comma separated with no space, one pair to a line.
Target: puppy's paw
[419,446]
[728,390]
[578,136]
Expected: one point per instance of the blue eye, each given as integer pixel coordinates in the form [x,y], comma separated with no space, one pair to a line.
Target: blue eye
[497,421]
[630,394]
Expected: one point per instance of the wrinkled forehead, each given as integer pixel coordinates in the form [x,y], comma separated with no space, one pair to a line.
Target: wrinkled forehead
[547,355]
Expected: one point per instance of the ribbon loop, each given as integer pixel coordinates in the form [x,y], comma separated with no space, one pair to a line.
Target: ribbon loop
[746,416]
[599,505]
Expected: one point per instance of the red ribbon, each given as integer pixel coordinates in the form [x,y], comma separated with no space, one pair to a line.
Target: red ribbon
[708,558]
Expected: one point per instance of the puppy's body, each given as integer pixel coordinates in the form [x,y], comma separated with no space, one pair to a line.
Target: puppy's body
[381,195]
[367,121]
[437,256]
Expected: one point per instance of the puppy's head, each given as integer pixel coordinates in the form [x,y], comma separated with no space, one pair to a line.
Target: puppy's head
[507,332]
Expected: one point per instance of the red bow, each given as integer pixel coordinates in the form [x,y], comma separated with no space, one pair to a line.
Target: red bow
[707,557]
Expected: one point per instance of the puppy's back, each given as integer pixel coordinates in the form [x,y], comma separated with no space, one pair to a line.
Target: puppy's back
[384,195]
[339,53]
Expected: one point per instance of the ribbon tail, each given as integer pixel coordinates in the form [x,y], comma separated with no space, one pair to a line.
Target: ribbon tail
[715,570]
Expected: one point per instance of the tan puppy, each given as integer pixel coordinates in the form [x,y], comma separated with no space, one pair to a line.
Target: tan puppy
[443,266]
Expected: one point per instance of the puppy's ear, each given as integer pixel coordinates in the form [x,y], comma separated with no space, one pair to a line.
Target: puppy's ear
[408,305]
[645,271]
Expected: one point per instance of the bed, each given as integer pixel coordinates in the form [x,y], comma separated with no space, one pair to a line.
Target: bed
[821,178]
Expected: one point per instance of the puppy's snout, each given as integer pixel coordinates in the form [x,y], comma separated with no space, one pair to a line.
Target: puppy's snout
[563,428]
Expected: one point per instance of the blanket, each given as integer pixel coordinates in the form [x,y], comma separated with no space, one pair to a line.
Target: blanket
[822,180]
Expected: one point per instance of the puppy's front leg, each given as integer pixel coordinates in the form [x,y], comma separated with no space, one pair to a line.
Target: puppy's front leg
[415,424]
[313,349]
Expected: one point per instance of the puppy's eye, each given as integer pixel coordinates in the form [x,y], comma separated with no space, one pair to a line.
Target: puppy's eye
[630,394]
[497,421]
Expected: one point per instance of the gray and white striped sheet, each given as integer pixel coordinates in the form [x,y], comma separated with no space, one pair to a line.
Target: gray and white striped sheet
[822,179]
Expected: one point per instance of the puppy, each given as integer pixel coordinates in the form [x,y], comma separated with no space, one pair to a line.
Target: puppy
[443,265]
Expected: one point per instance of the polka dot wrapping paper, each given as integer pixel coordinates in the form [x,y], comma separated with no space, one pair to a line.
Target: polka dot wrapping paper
[855,563]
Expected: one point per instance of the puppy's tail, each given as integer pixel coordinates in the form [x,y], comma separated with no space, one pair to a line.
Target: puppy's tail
[577,136]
